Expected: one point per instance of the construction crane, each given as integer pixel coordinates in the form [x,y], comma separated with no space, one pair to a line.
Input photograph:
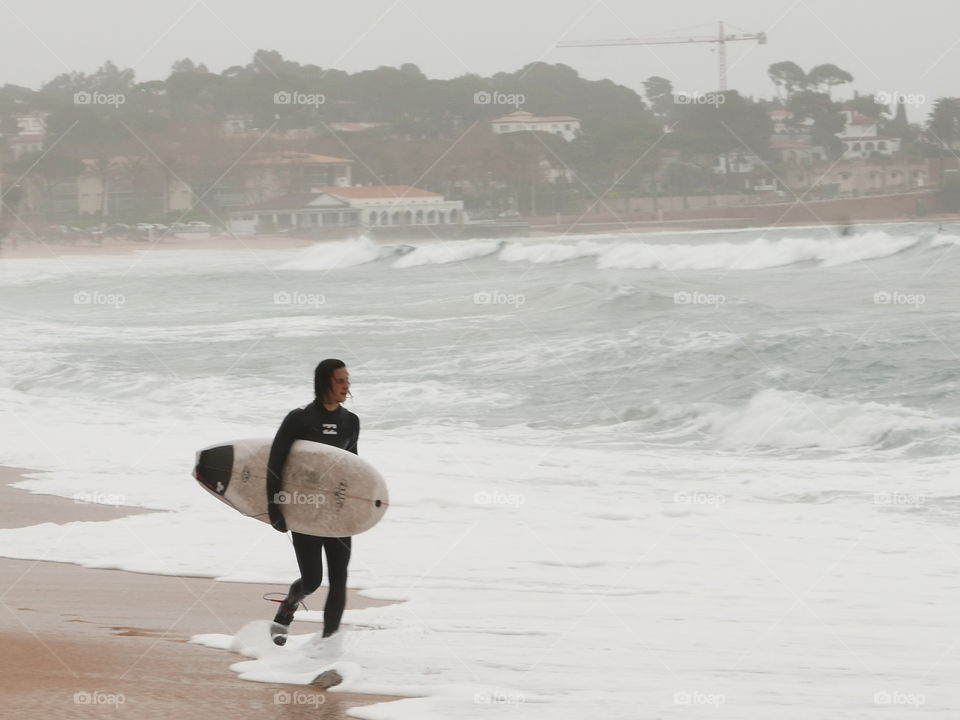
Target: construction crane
[720,39]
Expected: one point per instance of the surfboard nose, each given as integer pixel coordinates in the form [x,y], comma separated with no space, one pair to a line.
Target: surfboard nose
[213,468]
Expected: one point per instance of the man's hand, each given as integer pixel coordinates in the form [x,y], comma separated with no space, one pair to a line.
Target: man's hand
[276,517]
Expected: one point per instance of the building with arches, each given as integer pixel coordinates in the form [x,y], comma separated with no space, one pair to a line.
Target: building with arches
[361,206]
[861,138]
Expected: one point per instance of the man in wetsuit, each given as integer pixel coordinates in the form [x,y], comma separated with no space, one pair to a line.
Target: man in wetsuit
[326,421]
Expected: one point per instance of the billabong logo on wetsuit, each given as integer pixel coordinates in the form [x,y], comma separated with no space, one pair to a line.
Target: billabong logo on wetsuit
[329,428]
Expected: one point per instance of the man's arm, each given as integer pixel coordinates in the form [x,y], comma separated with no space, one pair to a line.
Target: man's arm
[279,451]
[352,445]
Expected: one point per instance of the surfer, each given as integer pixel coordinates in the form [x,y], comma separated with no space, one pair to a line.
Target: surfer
[326,421]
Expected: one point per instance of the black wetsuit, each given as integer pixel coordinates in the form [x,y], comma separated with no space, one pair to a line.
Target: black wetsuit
[340,428]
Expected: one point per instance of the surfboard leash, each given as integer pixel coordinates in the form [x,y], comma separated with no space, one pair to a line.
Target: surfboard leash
[282,598]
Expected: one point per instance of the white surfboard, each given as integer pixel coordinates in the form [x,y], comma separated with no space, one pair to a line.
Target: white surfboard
[326,491]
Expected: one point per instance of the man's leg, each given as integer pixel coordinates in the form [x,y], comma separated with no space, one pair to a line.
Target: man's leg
[338,558]
[309,550]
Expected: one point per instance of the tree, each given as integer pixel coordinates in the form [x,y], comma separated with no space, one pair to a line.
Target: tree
[111,79]
[827,118]
[788,77]
[867,105]
[659,93]
[9,125]
[826,76]
[944,121]
[42,169]
[722,123]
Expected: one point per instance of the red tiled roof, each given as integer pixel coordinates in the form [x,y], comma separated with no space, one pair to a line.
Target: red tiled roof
[377,191]
[295,201]
[291,157]
[356,126]
[525,117]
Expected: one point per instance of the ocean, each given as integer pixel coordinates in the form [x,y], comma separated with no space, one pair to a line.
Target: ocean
[660,476]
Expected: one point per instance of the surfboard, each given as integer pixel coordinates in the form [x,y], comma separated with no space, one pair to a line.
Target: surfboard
[326,491]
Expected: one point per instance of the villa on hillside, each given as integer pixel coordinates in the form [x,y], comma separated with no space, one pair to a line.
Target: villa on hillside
[271,175]
[521,121]
[861,138]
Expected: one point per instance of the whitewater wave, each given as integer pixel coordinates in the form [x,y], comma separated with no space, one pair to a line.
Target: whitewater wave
[946,239]
[448,252]
[550,252]
[337,254]
[755,255]
[798,420]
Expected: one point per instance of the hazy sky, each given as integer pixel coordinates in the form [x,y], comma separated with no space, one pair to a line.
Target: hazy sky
[910,48]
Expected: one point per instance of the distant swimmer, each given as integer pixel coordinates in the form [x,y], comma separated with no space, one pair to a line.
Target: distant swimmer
[846,229]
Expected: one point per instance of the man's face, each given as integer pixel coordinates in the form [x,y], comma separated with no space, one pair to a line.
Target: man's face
[339,385]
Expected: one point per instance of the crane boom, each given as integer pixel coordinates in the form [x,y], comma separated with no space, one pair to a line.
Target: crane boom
[720,39]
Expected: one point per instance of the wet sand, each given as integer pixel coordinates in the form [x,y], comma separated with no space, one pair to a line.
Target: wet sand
[83,643]
[39,248]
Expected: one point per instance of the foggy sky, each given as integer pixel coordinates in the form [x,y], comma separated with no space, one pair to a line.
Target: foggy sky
[909,48]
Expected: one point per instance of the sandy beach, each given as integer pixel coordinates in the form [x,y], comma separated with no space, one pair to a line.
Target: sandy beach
[82,643]
[39,248]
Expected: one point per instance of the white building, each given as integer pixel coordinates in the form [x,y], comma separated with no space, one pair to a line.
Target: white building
[556,173]
[521,121]
[737,162]
[801,152]
[237,124]
[23,144]
[342,207]
[861,138]
[31,134]
[398,205]
[33,123]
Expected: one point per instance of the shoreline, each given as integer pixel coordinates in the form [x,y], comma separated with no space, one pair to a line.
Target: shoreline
[38,249]
[117,641]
